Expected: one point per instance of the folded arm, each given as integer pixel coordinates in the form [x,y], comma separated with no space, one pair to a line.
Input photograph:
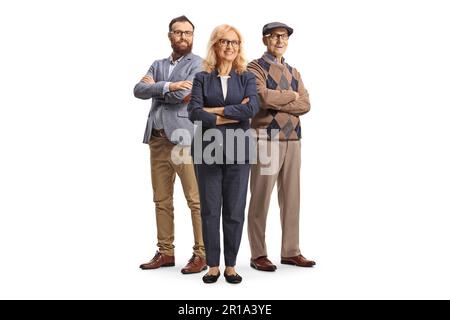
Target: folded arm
[270,99]
[195,107]
[242,112]
[180,91]
[147,88]
[301,105]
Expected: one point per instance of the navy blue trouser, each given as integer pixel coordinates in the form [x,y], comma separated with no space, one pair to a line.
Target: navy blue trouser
[222,187]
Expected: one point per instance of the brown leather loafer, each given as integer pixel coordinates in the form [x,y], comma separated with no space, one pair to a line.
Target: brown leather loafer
[158,261]
[195,265]
[262,264]
[299,261]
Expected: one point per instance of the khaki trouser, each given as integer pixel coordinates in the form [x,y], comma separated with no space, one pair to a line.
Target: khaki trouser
[286,173]
[163,172]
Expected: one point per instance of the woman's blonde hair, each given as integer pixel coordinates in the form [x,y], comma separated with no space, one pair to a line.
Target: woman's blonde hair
[212,62]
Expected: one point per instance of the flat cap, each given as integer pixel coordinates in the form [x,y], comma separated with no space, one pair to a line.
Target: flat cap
[274,25]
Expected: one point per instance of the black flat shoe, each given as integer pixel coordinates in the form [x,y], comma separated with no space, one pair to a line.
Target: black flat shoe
[209,278]
[234,279]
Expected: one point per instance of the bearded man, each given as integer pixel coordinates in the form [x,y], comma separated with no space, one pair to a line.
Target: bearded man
[168,83]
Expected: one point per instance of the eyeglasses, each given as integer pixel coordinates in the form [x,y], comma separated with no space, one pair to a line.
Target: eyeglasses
[276,36]
[179,33]
[224,43]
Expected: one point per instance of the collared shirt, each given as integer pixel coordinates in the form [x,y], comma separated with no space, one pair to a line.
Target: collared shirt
[158,120]
[272,58]
[173,64]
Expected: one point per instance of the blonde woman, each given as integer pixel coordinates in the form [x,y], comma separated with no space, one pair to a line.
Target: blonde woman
[224,98]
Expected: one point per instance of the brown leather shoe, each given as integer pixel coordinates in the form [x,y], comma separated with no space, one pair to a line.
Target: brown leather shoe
[299,261]
[158,261]
[195,265]
[262,264]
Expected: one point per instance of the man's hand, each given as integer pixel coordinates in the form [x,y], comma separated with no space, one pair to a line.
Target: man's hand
[187,99]
[148,80]
[216,110]
[222,120]
[181,85]
[245,101]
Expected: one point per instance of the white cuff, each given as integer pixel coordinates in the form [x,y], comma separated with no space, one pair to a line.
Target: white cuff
[166,88]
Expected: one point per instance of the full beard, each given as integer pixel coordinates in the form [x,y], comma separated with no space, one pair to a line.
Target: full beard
[181,50]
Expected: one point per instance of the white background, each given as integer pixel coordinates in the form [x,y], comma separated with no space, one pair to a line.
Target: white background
[76,205]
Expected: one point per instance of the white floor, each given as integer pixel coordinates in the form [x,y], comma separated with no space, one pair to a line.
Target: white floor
[93,252]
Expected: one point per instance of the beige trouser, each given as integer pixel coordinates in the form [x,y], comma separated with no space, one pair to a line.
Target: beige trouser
[163,172]
[286,173]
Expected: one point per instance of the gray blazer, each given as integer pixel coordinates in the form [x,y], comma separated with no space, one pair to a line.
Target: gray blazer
[174,111]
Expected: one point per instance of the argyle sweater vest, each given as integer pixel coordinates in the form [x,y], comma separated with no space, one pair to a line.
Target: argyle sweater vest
[277,124]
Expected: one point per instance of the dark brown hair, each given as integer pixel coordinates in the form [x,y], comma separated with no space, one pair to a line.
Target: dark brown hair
[180,19]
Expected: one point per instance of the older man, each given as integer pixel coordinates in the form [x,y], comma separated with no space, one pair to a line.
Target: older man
[168,83]
[283,98]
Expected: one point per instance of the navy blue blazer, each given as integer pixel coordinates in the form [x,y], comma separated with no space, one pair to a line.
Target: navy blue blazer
[207,92]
